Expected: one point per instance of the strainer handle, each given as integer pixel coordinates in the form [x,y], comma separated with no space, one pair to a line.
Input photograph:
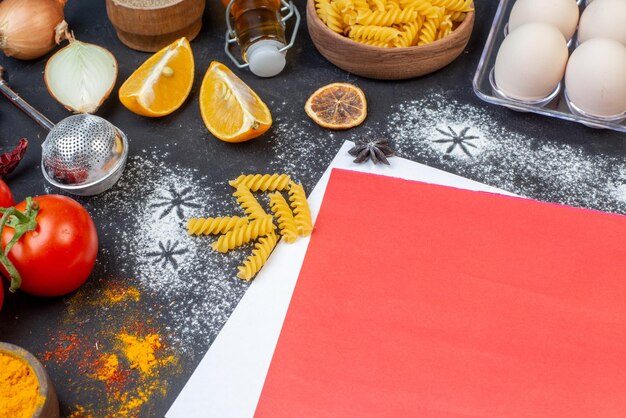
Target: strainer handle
[22,104]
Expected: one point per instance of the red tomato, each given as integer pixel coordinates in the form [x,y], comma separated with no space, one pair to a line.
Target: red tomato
[58,256]
[6,198]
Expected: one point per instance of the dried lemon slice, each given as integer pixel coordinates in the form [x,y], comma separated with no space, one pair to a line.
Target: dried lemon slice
[337,106]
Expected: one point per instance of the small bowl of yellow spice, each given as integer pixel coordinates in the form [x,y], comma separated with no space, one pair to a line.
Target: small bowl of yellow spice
[25,388]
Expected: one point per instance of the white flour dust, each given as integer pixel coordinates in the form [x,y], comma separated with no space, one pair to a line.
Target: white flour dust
[299,147]
[197,287]
[469,141]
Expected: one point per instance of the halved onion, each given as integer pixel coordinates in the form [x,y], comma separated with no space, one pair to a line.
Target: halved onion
[81,76]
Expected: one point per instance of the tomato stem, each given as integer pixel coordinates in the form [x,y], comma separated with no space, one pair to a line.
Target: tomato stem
[21,223]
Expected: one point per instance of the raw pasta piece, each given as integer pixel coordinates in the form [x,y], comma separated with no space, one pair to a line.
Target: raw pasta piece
[321,6]
[361,5]
[393,4]
[428,32]
[248,202]
[333,18]
[377,4]
[379,44]
[458,16]
[408,37]
[455,5]
[349,18]
[260,254]
[219,225]
[387,18]
[424,8]
[262,182]
[286,221]
[244,234]
[445,27]
[301,210]
[374,33]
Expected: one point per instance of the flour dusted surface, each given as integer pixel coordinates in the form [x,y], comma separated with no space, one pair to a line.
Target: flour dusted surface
[548,170]
[196,287]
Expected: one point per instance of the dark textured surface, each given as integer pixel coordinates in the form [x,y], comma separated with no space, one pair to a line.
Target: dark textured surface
[181,140]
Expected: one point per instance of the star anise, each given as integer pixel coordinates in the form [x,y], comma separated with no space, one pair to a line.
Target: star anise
[376,150]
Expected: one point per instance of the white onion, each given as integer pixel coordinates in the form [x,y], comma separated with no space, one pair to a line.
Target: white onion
[81,76]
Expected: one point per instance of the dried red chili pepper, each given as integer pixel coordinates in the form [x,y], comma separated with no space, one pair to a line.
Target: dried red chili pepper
[10,160]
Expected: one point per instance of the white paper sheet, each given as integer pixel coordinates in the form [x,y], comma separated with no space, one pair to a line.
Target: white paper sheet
[228,381]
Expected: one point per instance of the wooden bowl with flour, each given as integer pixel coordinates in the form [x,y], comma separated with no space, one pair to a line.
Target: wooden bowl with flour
[149,25]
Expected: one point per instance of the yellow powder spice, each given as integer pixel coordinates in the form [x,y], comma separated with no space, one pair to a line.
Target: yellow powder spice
[117,294]
[80,412]
[109,364]
[140,352]
[19,388]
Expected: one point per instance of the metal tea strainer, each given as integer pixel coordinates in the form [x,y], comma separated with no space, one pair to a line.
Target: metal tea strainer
[83,154]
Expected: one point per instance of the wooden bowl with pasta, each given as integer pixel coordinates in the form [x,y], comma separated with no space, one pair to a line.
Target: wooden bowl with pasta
[387,63]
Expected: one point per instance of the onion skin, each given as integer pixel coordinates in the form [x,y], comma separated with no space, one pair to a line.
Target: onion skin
[30,29]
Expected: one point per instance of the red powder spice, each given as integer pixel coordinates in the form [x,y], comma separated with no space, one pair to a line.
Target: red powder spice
[113,374]
[64,346]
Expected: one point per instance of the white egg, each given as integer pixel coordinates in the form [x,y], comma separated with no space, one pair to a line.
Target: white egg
[603,19]
[595,79]
[531,61]
[560,13]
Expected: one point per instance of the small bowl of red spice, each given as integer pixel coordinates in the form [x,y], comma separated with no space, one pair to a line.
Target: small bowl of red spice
[25,388]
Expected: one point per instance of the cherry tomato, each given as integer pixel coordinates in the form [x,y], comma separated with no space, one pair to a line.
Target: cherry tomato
[6,197]
[57,257]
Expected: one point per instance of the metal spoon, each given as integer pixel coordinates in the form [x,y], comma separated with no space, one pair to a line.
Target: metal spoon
[83,154]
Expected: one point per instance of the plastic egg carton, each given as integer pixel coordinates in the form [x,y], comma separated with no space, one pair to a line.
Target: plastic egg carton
[555,105]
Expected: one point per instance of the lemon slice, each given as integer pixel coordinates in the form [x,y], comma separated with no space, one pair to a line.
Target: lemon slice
[231,110]
[162,83]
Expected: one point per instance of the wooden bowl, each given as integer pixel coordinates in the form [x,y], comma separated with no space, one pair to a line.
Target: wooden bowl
[386,63]
[152,28]
[50,406]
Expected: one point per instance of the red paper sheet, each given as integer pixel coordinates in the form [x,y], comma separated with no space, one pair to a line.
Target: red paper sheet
[417,300]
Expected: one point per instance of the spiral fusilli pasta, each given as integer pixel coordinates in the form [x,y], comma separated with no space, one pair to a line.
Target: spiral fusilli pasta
[428,33]
[386,18]
[455,5]
[408,35]
[262,182]
[445,27]
[377,4]
[374,33]
[379,44]
[331,15]
[457,17]
[243,234]
[393,23]
[248,202]
[219,225]
[258,258]
[301,210]
[286,221]
[293,217]
[424,8]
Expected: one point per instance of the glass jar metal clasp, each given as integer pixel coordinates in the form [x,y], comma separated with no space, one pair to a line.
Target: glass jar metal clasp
[287,11]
